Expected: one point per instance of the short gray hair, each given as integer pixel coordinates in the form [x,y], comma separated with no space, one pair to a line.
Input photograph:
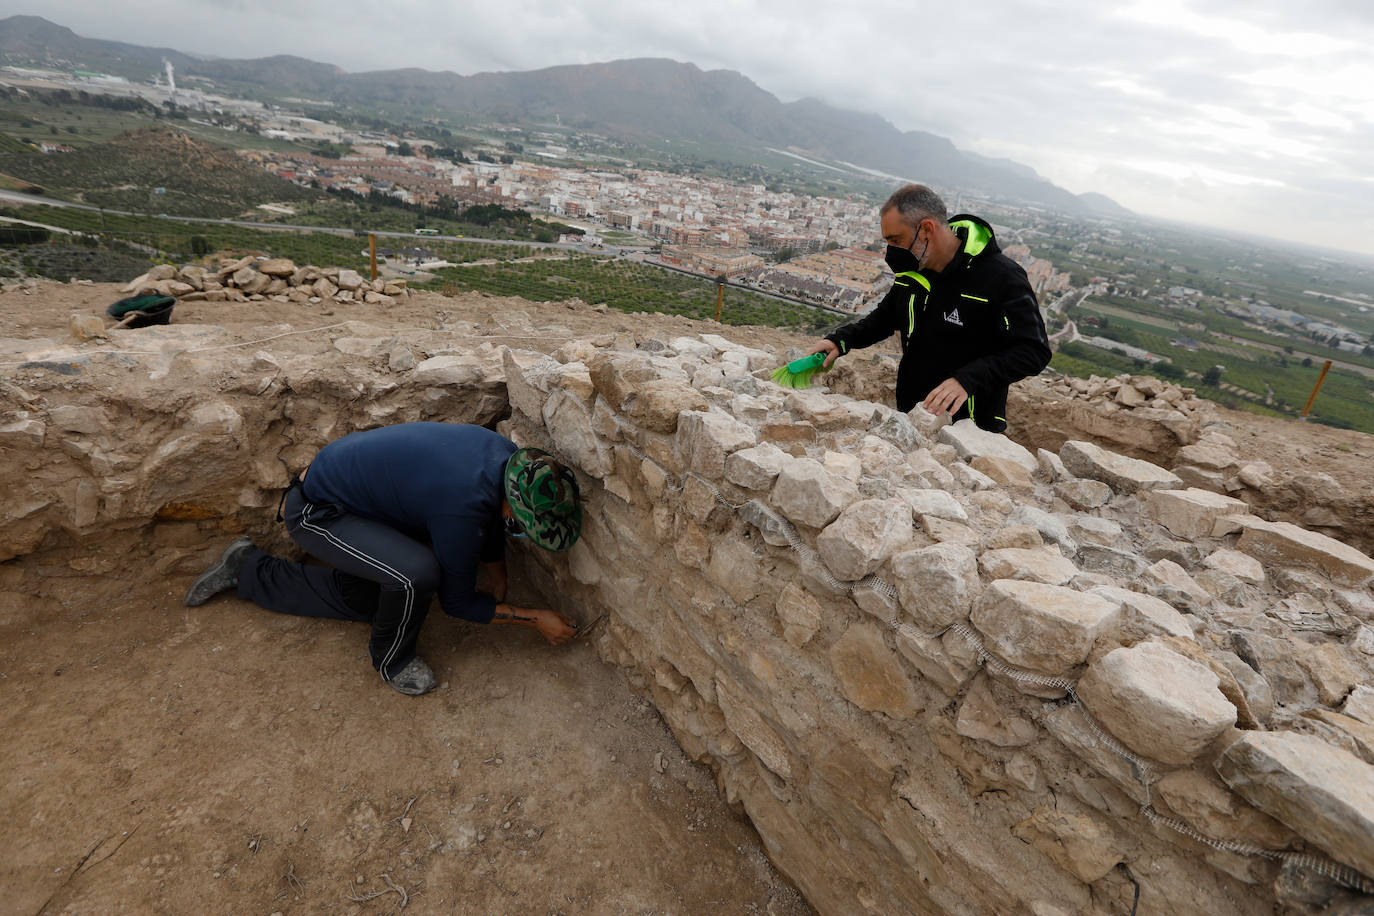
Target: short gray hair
[915,202]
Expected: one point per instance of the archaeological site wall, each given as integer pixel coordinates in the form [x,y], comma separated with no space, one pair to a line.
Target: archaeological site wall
[941,674]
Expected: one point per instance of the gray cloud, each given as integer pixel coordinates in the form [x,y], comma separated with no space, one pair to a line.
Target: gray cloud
[1224,111]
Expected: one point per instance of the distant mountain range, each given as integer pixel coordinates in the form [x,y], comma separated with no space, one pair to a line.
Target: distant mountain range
[637,100]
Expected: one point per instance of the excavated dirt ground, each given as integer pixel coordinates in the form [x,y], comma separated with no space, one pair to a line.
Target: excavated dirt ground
[164,759]
[225,759]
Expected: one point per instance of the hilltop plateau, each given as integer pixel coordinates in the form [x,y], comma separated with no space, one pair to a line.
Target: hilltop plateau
[232,756]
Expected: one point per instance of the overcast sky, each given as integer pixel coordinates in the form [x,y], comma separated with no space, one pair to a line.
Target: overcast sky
[1256,115]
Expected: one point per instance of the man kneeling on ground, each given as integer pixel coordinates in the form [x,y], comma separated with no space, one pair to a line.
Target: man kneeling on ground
[400,514]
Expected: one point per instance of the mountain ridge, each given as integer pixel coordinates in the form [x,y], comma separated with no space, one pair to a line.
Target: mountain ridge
[635,99]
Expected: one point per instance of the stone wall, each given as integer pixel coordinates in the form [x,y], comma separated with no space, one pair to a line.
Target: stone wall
[939,673]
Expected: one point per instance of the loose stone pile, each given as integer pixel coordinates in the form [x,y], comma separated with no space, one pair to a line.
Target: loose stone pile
[940,673]
[256,279]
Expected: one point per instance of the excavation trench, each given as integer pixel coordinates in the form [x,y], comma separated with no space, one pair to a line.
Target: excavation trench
[887,760]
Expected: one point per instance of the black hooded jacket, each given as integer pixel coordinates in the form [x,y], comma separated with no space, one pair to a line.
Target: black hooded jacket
[976,321]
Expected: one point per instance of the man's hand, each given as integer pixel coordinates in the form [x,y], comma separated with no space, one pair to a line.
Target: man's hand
[946,398]
[496,579]
[554,627]
[827,347]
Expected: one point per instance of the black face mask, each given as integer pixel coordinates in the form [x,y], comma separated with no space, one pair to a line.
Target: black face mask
[901,260]
[904,260]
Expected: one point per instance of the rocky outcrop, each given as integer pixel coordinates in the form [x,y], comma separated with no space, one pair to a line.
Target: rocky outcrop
[930,690]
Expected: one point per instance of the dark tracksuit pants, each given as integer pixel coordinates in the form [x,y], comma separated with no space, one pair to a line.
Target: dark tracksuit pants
[378,574]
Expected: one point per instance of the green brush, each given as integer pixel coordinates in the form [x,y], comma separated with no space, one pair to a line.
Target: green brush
[797,374]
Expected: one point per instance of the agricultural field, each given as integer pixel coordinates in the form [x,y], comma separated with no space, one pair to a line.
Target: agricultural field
[628,287]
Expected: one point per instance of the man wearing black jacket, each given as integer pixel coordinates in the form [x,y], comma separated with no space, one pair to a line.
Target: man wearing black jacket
[966,315]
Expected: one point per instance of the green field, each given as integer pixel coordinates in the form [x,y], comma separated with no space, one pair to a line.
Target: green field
[630,288]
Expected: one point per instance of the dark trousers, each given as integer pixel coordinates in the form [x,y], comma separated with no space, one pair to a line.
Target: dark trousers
[378,574]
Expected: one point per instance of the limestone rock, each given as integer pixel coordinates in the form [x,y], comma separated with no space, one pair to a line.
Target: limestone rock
[1122,474]
[1083,845]
[1245,568]
[1285,544]
[1168,574]
[657,404]
[870,675]
[1047,628]
[808,493]
[756,468]
[937,585]
[1101,531]
[982,718]
[1200,799]
[971,442]
[23,434]
[1049,466]
[1194,513]
[1039,565]
[933,502]
[1331,668]
[1144,616]
[1084,494]
[705,439]
[1360,704]
[844,466]
[86,327]
[800,614]
[864,536]
[1024,537]
[1156,702]
[751,729]
[350,280]
[1051,527]
[1323,793]
[1006,472]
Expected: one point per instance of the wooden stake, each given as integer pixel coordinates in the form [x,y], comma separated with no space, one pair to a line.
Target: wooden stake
[1315,388]
[720,299]
[372,252]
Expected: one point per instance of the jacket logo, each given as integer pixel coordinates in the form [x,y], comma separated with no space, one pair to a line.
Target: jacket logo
[953,318]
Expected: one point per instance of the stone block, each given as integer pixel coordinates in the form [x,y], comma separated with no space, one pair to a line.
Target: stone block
[863,536]
[1332,668]
[751,728]
[933,502]
[937,585]
[86,327]
[982,718]
[1194,513]
[1360,704]
[809,494]
[1047,628]
[1037,565]
[1108,560]
[1245,568]
[1156,702]
[841,465]
[1025,537]
[1200,799]
[1167,574]
[658,402]
[799,613]
[350,280]
[1144,616]
[705,439]
[949,532]
[1285,544]
[618,376]
[568,423]
[898,429]
[971,479]
[1051,527]
[1049,466]
[1004,471]
[947,661]
[870,674]
[1092,530]
[971,442]
[1081,843]
[23,434]
[277,267]
[756,468]
[1323,793]
[1083,494]
[1122,474]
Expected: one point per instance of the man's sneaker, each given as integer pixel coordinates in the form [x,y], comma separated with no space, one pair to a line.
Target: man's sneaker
[414,679]
[223,575]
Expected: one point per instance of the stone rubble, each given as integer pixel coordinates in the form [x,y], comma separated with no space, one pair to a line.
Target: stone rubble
[887,764]
[253,279]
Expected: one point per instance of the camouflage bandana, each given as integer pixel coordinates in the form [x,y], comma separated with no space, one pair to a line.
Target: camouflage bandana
[544,498]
